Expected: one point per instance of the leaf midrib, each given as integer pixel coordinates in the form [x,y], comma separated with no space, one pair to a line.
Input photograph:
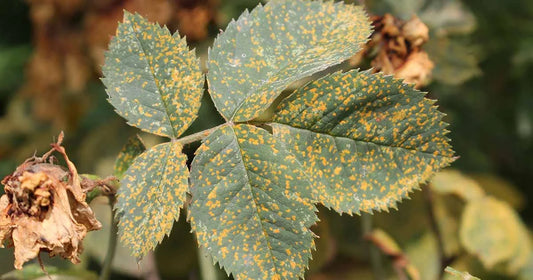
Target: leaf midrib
[265,234]
[155,80]
[364,141]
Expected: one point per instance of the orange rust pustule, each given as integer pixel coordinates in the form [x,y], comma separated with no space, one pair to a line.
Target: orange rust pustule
[44,209]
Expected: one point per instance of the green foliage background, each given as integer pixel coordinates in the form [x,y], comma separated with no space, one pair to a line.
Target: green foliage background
[482,81]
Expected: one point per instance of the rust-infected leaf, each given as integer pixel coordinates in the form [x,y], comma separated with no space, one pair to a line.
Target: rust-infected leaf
[129,152]
[365,140]
[150,197]
[247,207]
[152,78]
[274,45]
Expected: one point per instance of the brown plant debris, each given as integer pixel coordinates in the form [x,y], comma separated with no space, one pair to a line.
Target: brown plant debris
[398,45]
[70,38]
[44,209]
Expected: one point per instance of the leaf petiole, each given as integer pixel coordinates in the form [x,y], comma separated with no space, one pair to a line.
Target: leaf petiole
[198,135]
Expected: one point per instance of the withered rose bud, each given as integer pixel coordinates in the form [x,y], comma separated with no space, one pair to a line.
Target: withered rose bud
[415,31]
[416,69]
[44,209]
[395,48]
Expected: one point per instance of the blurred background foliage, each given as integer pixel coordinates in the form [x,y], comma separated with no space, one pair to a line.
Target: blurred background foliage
[51,52]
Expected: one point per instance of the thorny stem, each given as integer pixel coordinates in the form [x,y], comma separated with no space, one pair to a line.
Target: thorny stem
[375,257]
[112,243]
[197,136]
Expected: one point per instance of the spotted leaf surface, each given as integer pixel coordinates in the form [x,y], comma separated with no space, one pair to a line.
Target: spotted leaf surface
[152,78]
[365,140]
[267,49]
[247,209]
[129,152]
[150,197]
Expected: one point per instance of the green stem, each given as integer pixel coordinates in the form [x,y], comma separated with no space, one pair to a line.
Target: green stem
[207,268]
[198,135]
[112,244]
[375,256]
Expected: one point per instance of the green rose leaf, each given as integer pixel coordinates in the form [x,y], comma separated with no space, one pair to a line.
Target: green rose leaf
[365,140]
[150,197]
[152,78]
[275,45]
[247,209]
[133,148]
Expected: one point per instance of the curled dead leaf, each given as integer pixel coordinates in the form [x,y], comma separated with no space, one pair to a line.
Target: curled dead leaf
[44,209]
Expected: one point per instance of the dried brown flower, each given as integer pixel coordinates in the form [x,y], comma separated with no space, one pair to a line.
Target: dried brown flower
[398,45]
[44,209]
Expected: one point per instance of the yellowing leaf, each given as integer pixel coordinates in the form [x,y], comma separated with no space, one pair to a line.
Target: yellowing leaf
[423,253]
[459,275]
[150,197]
[526,273]
[267,49]
[500,188]
[152,78]
[448,224]
[453,182]
[246,206]
[522,253]
[364,140]
[492,231]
